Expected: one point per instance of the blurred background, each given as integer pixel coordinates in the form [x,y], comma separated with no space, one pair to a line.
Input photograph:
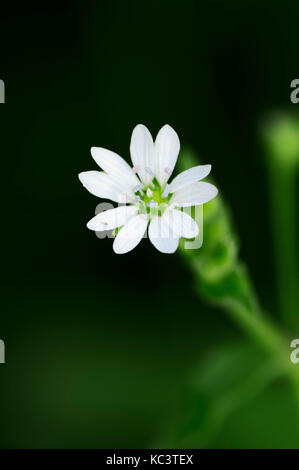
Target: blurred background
[112,351]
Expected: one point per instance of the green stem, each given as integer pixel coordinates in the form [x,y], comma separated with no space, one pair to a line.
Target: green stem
[242,307]
[265,333]
[223,280]
[282,192]
[258,327]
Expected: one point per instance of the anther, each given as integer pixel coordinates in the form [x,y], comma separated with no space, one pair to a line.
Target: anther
[152,203]
[166,191]
[149,171]
[136,169]
[137,187]
[167,171]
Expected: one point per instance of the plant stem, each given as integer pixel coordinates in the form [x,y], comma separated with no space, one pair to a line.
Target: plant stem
[282,192]
[242,307]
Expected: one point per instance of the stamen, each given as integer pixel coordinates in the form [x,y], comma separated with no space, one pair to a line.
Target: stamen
[166,191]
[149,171]
[136,169]
[168,171]
[137,187]
[149,192]
[152,203]
[105,223]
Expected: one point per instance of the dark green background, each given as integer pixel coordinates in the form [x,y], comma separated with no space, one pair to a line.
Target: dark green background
[98,346]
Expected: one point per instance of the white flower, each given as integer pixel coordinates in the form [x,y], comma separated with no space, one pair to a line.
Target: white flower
[149,197]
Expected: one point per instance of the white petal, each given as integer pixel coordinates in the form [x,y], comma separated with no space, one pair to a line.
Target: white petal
[108,220]
[194,194]
[142,153]
[131,234]
[115,166]
[102,185]
[189,176]
[181,223]
[161,236]
[167,147]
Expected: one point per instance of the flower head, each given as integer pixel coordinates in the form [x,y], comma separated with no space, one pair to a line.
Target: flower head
[147,198]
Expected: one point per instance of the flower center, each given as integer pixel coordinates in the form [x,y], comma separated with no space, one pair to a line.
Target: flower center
[152,199]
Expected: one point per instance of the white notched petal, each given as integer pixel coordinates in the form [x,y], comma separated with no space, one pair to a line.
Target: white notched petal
[142,153]
[161,236]
[102,185]
[131,234]
[189,176]
[194,194]
[108,220]
[181,223]
[115,166]
[167,147]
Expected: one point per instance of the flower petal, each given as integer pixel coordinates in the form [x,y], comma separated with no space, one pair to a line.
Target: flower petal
[142,153]
[194,194]
[115,166]
[181,223]
[102,185]
[108,220]
[167,147]
[161,235]
[131,234]
[189,176]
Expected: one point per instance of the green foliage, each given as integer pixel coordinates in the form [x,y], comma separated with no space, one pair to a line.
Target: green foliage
[228,379]
[222,276]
